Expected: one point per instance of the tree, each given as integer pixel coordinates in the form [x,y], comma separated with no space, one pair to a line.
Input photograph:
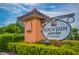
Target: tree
[12,28]
[20,25]
[74,33]
[2,30]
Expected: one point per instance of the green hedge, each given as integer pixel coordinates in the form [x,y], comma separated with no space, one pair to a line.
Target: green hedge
[38,49]
[71,44]
[59,43]
[8,37]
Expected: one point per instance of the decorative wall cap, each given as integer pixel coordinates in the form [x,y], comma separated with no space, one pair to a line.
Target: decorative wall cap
[32,14]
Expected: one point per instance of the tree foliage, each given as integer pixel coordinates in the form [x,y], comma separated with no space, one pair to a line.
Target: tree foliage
[20,25]
[74,30]
[74,33]
[11,28]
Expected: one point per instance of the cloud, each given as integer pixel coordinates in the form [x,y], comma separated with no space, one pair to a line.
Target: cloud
[54,13]
[75,7]
[32,4]
[64,12]
[9,12]
[13,8]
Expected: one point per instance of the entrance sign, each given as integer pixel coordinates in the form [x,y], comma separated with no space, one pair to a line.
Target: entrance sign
[36,22]
[59,31]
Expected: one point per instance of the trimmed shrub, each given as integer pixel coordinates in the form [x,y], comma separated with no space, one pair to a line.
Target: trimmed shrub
[4,39]
[18,37]
[38,49]
[55,43]
[70,42]
[8,37]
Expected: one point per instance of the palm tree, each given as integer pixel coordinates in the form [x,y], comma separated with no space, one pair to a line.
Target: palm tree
[74,33]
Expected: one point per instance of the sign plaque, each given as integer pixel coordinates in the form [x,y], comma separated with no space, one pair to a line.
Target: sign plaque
[59,31]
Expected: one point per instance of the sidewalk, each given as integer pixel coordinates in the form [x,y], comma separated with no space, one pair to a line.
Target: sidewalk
[6,53]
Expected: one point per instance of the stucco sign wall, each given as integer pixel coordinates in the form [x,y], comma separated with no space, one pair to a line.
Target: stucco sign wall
[59,31]
[36,22]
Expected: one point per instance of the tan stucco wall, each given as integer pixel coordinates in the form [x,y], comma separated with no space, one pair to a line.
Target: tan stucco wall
[35,35]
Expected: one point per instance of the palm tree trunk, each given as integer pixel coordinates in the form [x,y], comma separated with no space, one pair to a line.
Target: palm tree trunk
[73,36]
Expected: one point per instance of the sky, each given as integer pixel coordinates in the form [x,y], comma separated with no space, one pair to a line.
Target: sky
[10,11]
